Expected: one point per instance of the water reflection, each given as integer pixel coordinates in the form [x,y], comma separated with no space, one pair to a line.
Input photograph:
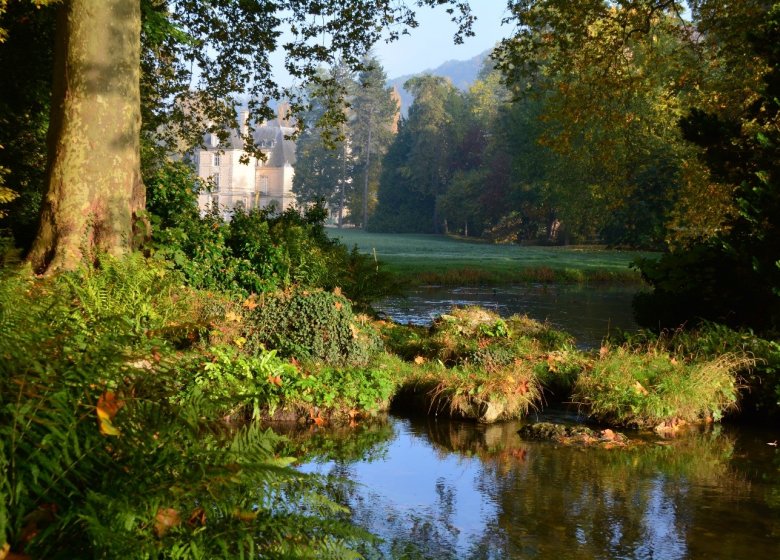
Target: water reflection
[457,490]
[586,312]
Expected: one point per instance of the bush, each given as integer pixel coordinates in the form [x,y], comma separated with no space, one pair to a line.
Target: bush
[257,250]
[315,325]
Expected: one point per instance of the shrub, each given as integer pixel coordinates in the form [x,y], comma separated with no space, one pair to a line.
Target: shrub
[256,250]
[311,324]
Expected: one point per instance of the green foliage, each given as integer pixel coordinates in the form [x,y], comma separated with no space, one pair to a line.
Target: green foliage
[760,376]
[342,389]
[311,324]
[418,165]
[652,388]
[26,64]
[735,275]
[496,330]
[102,452]
[235,382]
[257,250]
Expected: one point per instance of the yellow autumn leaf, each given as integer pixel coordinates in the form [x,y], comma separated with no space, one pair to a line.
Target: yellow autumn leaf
[107,407]
[233,316]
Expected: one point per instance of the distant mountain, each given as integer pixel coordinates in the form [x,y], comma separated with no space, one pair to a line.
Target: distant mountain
[463,73]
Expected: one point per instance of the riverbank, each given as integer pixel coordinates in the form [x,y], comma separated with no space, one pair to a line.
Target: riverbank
[443,260]
[139,390]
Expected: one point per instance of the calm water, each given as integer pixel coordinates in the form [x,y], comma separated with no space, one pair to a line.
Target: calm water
[585,312]
[442,489]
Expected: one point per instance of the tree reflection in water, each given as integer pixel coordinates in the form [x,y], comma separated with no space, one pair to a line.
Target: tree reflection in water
[456,490]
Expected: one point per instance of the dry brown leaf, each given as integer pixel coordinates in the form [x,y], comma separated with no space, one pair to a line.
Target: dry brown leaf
[165,519]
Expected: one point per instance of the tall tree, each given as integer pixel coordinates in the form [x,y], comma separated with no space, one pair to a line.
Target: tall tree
[371,130]
[95,195]
[324,160]
[94,192]
[418,166]
[614,79]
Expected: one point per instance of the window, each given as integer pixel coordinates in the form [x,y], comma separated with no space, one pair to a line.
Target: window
[215,201]
[263,187]
[215,178]
[216,160]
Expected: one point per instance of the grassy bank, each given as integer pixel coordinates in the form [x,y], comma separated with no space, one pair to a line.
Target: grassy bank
[439,259]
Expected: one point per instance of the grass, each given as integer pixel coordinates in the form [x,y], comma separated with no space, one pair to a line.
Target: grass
[439,259]
[650,388]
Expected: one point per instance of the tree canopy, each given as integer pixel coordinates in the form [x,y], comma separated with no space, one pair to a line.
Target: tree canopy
[167,71]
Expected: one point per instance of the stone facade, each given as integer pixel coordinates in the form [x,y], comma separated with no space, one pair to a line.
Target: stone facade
[254,184]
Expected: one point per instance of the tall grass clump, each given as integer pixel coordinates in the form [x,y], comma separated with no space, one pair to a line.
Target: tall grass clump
[652,388]
[473,364]
[104,455]
[759,375]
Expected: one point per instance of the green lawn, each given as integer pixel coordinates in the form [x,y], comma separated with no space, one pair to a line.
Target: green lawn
[442,259]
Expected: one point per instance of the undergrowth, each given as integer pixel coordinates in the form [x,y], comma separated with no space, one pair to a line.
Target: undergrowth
[105,451]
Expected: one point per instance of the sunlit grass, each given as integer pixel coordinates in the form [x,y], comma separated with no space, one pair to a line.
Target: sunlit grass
[438,259]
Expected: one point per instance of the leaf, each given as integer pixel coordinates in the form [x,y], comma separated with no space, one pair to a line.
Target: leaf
[233,316]
[275,380]
[165,519]
[197,517]
[640,389]
[250,303]
[107,407]
[419,360]
[245,516]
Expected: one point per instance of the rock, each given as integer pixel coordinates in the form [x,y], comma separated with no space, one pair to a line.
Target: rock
[572,435]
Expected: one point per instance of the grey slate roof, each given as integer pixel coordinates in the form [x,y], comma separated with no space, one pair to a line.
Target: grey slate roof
[270,137]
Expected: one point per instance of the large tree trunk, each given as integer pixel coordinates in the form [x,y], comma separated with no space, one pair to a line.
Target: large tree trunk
[95,192]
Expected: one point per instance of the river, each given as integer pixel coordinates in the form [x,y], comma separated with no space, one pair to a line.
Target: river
[587,312]
[439,489]
[453,490]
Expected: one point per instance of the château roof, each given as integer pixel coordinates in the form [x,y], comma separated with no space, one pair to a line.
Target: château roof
[270,138]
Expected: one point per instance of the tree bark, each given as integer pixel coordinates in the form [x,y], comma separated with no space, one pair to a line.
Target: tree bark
[94,189]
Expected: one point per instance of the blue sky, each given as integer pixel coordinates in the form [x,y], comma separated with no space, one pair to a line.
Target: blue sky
[431,43]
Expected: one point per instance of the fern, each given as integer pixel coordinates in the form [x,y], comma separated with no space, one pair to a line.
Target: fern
[171,482]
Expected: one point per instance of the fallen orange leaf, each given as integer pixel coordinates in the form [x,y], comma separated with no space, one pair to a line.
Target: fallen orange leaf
[107,407]
[197,517]
[275,380]
[165,519]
